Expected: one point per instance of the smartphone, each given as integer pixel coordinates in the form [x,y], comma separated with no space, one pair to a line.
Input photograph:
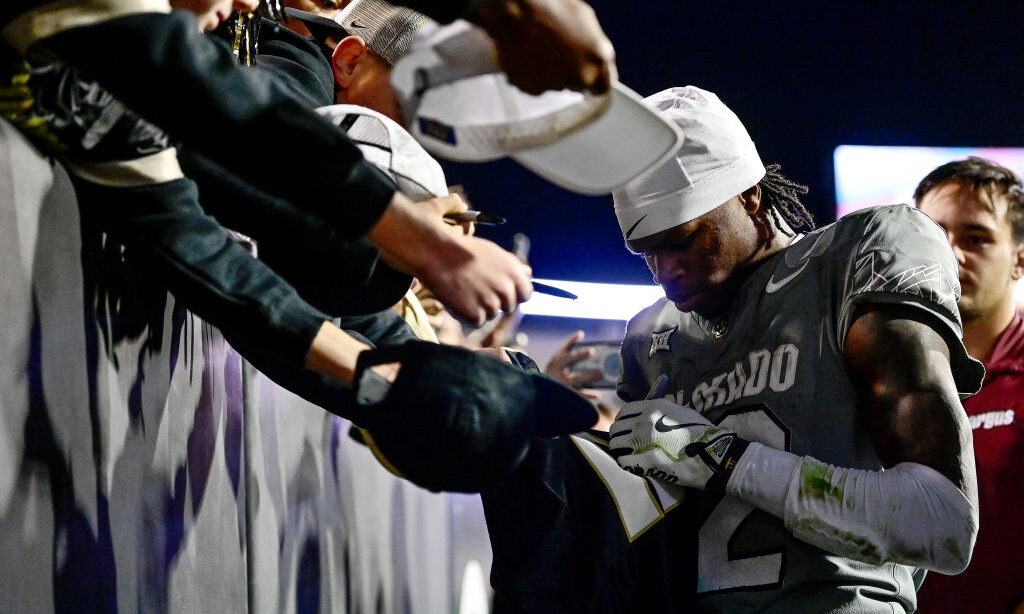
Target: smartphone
[605,359]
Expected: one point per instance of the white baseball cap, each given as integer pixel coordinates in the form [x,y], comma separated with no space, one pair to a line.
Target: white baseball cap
[460,106]
[390,147]
[716,162]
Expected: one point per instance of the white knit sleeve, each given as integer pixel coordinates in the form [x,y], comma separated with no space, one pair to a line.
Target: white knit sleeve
[908,514]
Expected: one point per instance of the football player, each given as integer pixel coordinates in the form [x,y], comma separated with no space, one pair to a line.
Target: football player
[813,405]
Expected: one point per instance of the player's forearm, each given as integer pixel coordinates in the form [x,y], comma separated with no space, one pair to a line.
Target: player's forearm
[164,227]
[908,514]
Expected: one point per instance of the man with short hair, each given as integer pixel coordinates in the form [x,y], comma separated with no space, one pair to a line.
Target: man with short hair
[811,406]
[361,56]
[980,205]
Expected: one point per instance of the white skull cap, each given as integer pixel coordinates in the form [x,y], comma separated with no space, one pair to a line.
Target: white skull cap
[716,162]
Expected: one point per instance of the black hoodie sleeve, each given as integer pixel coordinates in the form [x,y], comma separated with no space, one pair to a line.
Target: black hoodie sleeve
[163,68]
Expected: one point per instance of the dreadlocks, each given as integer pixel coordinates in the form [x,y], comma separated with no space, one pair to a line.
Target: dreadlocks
[782,198]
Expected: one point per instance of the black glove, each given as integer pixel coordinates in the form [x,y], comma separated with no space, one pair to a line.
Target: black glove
[459,421]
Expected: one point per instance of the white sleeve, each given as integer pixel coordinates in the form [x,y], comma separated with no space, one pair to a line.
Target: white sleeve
[908,514]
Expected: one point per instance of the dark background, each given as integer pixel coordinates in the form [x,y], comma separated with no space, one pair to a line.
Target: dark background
[804,78]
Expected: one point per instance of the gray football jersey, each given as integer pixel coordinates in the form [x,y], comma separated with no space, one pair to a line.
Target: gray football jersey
[772,368]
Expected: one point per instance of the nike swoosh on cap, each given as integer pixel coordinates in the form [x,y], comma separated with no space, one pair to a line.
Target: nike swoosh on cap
[633,227]
[356,24]
[773,286]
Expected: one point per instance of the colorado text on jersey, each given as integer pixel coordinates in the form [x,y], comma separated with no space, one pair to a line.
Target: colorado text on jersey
[775,369]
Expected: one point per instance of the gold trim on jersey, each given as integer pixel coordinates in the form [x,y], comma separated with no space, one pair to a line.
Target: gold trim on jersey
[637,512]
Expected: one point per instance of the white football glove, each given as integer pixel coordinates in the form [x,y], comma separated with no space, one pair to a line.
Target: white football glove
[659,439]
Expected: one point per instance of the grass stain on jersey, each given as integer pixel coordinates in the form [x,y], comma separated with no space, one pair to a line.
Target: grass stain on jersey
[816,482]
[820,533]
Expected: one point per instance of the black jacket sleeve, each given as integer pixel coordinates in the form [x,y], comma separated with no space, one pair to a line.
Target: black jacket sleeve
[337,276]
[259,313]
[162,67]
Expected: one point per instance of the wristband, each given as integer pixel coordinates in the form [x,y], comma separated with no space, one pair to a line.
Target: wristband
[722,455]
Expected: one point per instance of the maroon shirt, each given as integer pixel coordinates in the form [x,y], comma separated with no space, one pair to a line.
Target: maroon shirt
[994,581]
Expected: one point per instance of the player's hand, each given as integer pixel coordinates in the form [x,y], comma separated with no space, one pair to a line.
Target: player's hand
[560,366]
[473,277]
[576,53]
[674,444]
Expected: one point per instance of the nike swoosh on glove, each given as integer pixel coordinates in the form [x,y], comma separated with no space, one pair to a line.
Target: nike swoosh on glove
[659,439]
